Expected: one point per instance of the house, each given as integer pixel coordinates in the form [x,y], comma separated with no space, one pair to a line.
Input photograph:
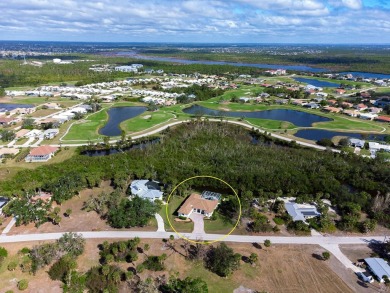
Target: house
[378,267]
[375,146]
[301,212]
[311,105]
[203,204]
[7,152]
[3,203]
[50,133]
[332,109]
[244,99]
[382,102]
[35,133]
[21,133]
[41,154]
[357,142]
[375,110]
[383,119]
[44,196]
[346,105]
[146,189]
[361,107]
[352,113]
[281,101]
[340,91]
[6,120]
[367,116]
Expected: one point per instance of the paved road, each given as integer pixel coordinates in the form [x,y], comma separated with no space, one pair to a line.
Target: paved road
[209,237]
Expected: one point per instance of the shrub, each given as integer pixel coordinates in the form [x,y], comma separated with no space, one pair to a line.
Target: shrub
[25,250]
[12,265]
[278,221]
[325,255]
[22,284]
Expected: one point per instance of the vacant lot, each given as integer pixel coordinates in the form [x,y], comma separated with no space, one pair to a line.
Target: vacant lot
[80,220]
[282,268]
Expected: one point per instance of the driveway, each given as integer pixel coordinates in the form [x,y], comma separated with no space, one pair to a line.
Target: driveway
[198,224]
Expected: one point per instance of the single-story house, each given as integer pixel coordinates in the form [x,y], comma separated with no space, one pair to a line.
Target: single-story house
[375,110]
[352,113]
[146,189]
[340,91]
[41,154]
[374,146]
[203,204]
[301,212]
[383,119]
[311,105]
[3,203]
[378,267]
[361,107]
[357,142]
[6,152]
[367,116]
[6,120]
[21,133]
[332,109]
[50,133]
[35,133]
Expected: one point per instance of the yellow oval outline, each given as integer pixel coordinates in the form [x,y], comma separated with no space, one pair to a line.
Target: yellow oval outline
[203,242]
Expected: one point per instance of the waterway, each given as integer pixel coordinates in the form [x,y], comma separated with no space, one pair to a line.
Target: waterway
[116,116]
[317,134]
[10,107]
[316,82]
[298,118]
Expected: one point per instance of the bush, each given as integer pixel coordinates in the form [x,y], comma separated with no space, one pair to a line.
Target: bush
[325,255]
[22,284]
[25,250]
[278,221]
[12,265]
[3,254]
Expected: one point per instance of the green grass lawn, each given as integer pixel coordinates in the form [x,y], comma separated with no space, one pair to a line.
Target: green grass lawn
[173,205]
[218,226]
[145,121]
[88,129]
[341,123]
[270,124]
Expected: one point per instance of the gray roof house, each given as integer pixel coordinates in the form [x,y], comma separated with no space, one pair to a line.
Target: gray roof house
[379,267]
[146,189]
[3,202]
[357,142]
[301,212]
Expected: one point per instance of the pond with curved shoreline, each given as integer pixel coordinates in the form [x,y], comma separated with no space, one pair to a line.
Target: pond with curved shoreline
[116,116]
[298,118]
[317,134]
[316,82]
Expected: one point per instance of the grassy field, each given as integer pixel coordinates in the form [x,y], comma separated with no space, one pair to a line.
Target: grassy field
[43,113]
[87,129]
[218,226]
[145,121]
[270,124]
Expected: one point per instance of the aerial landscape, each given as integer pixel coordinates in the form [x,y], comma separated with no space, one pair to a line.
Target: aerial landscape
[195,146]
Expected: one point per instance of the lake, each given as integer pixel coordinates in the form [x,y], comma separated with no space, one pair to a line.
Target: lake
[317,134]
[297,118]
[116,116]
[367,74]
[316,82]
[9,107]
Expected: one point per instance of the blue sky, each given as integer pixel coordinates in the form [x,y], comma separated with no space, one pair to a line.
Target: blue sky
[254,21]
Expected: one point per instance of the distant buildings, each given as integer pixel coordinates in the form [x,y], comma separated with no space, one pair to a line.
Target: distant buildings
[129,68]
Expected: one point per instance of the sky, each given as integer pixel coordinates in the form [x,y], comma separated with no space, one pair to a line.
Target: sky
[200,21]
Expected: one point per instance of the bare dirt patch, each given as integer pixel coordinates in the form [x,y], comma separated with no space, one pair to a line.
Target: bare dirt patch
[281,268]
[80,220]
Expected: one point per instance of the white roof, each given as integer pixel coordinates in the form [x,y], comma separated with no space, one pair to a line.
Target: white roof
[378,266]
[145,189]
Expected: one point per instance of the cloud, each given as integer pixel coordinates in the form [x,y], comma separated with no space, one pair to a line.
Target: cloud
[353,4]
[194,20]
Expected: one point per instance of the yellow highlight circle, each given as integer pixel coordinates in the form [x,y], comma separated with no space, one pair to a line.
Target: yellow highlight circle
[203,242]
